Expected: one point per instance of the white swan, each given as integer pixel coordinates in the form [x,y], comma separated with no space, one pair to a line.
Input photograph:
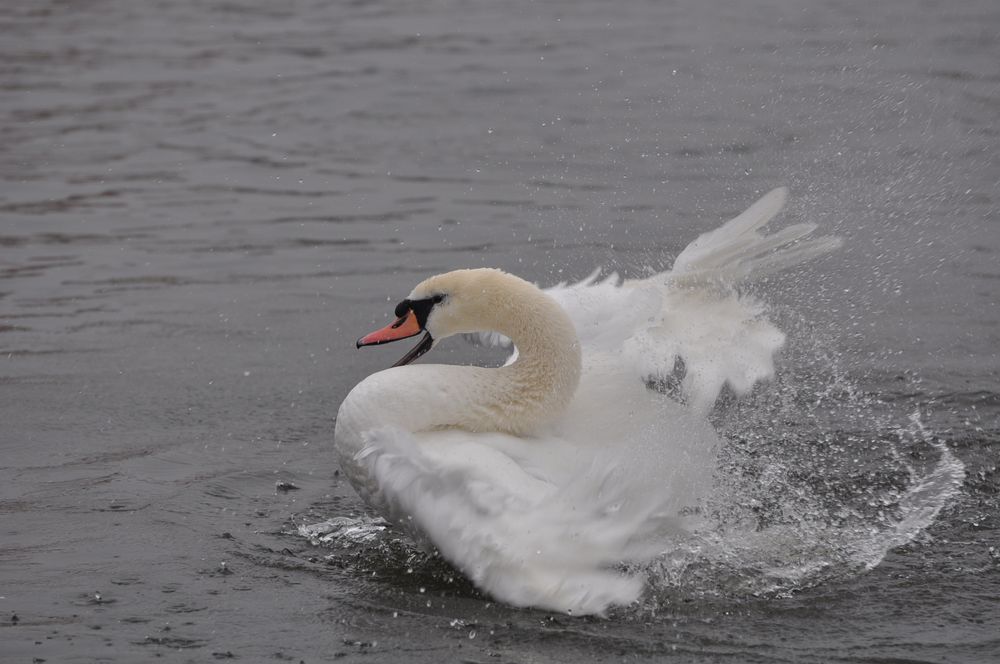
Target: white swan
[537,479]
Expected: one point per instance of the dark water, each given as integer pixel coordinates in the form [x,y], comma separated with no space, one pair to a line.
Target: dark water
[203,204]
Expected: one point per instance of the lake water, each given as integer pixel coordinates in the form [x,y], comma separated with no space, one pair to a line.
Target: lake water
[203,205]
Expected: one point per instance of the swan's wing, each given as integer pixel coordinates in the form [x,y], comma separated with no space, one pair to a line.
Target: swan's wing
[702,341]
[689,325]
[706,334]
[506,526]
[712,248]
[604,312]
[737,251]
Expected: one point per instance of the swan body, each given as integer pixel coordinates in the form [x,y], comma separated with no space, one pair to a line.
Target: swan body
[540,478]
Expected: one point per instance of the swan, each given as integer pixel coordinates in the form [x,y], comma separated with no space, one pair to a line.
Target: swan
[546,479]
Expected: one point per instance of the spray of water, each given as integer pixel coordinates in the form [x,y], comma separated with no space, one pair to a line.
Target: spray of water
[818,481]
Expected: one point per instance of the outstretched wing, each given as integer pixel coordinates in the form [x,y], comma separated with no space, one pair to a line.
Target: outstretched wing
[737,251]
[689,324]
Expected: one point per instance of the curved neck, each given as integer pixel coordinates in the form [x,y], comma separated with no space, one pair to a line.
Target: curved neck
[544,377]
[519,398]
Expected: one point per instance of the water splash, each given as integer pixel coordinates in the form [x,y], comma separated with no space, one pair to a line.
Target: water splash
[345,531]
[818,482]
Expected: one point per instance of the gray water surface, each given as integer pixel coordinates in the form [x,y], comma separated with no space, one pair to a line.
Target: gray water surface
[203,205]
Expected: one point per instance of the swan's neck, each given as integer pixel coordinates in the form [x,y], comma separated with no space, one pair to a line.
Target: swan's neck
[541,382]
[519,398]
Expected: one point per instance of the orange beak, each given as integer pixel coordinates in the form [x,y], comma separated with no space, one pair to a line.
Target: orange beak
[404,327]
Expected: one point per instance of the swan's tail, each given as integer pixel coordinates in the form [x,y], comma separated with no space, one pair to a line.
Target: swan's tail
[737,251]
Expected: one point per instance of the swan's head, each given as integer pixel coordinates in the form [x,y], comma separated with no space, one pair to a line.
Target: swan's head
[462,301]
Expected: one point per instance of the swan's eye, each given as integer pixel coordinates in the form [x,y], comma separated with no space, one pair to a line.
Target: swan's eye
[420,308]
